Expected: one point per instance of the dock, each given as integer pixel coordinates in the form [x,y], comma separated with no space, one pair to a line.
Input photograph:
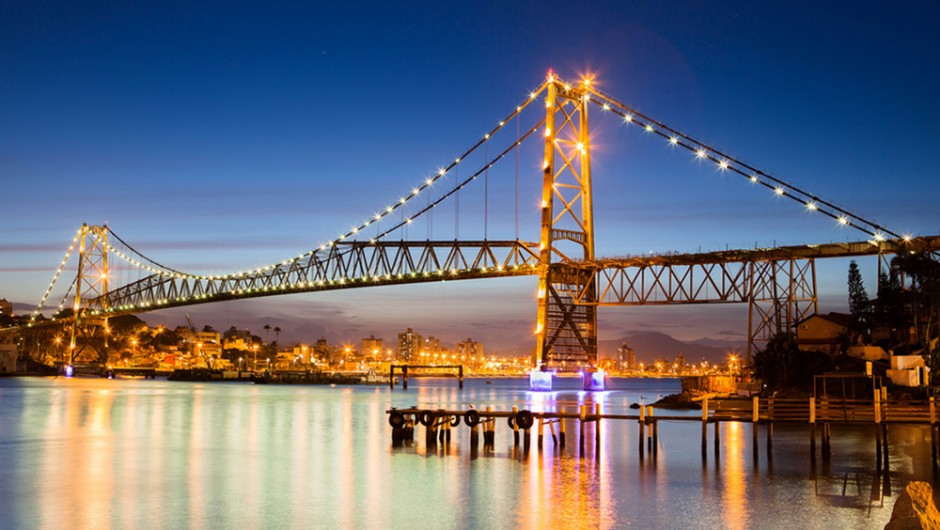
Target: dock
[818,416]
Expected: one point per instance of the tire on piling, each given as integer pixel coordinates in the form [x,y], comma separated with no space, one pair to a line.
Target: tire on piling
[471,418]
[426,418]
[396,419]
[524,419]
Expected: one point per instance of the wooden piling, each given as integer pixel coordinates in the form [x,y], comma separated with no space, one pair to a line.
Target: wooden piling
[812,429]
[489,431]
[884,441]
[704,428]
[877,404]
[404,378]
[582,416]
[460,376]
[755,419]
[717,437]
[391,377]
[541,432]
[561,432]
[934,449]
[704,440]
[770,427]
[430,434]
[652,434]
[597,428]
[642,424]
[515,426]
[655,438]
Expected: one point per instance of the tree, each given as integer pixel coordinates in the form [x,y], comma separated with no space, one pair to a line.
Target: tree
[782,365]
[889,310]
[924,271]
[772,364]
[858,298]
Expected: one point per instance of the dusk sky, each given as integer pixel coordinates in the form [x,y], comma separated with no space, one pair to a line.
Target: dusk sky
[216,137]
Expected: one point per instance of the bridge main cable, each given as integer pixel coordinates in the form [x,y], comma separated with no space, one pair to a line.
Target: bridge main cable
[727,162]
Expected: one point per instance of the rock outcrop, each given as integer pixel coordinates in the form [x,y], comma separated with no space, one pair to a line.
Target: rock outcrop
[915,509]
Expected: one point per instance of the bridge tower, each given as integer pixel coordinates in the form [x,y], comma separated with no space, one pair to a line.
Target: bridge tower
[91,283]
[566,332]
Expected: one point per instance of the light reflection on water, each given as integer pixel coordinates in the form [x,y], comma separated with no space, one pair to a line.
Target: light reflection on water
[97,453]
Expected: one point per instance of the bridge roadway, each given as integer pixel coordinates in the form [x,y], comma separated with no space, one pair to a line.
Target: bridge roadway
[680,278]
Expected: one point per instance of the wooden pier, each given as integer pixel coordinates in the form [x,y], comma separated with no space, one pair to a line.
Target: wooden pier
[436,371]
[818,416]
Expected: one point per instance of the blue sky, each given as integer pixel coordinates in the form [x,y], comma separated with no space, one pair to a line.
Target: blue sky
[221,136]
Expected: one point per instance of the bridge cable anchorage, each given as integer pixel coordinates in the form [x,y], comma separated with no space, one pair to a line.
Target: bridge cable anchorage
[727,162]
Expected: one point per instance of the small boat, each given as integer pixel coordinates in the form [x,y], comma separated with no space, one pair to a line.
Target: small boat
[374,378]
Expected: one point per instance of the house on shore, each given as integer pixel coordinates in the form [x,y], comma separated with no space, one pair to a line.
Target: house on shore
[830,333]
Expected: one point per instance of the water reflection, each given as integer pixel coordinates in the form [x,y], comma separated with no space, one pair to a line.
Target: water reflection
[99,453]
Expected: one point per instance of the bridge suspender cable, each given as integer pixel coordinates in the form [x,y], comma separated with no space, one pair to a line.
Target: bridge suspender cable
[486,193]
[518,125]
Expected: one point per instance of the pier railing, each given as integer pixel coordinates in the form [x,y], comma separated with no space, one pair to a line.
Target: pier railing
[823,410]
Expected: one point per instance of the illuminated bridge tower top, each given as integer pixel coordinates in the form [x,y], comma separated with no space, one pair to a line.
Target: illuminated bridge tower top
[566,332]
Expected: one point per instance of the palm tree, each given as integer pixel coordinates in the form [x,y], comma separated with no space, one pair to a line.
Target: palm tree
[277,333]
[267,330]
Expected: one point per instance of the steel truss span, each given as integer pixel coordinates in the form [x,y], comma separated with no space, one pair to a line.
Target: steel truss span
[345,265]
[778,284]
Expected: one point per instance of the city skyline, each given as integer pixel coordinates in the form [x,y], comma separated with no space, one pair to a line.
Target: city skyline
[218,150]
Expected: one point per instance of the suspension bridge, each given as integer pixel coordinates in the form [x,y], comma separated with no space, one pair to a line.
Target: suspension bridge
[779,284]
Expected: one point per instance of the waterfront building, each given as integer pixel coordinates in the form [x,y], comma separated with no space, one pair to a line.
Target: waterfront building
[322,350]
[626,358]
[236,339]
[471,351]
[372,347]
[432,346]
[409,345]
[825,333]
[7,358]
[679,364]
[6,308]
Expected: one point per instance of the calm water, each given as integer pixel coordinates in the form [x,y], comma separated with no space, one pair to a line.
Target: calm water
[98,453]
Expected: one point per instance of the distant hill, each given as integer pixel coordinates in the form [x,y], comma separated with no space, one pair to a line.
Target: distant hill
[653,345]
